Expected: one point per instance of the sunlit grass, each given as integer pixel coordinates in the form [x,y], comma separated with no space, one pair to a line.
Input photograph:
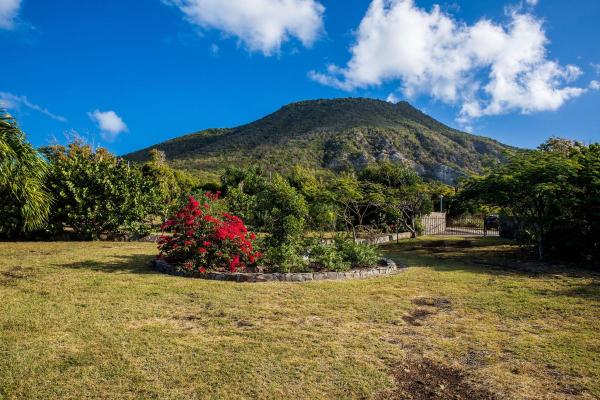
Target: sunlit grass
[89,320]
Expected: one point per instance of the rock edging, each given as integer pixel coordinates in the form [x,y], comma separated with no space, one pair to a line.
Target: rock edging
[385,267]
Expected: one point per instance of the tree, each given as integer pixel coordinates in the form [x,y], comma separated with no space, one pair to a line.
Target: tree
[406,196]
[97,193]
[355,200]
[172,186]
[241,187]
[586,240]
[25,201]
[285,211]
[536,187]
[321,205]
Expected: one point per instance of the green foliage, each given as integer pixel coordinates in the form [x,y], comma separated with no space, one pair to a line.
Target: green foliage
[405,197]
[355,200]
[553,193]
[285,211]
[321,206]
[97,193]
[285,258]
[357,254]
[241,187]
[172,186]
[327,257]
[24,200]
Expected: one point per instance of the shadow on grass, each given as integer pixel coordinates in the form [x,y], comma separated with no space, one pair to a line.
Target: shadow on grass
[132,263]
[589,291]
[486,255]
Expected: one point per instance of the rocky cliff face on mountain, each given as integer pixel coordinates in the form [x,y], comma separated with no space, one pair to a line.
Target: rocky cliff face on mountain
[337,135]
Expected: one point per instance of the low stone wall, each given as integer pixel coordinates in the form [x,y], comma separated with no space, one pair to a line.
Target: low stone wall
[386,267]
[383,239]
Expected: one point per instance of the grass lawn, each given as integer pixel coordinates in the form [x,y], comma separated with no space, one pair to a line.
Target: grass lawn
[89,320]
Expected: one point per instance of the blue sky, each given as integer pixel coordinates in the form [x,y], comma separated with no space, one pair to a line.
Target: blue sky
[127,74]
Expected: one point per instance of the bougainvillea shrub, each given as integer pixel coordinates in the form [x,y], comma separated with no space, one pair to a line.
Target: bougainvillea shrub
[206,239]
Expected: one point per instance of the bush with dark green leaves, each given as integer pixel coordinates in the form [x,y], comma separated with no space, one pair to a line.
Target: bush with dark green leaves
[553,194]
[173,187]
[286,257]
[327,257]
[96,193]
[357,254]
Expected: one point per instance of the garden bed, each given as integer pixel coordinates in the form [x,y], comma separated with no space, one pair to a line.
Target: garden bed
[386,267]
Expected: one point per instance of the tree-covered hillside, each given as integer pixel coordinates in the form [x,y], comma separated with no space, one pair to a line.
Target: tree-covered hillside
[338,134]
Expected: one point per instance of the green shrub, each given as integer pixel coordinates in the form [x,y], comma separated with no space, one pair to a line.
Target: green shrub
[97,193]
[285,258]
[356,254]
[327,257]
[284,211]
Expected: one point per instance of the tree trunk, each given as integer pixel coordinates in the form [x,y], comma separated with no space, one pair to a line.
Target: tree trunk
[540,243]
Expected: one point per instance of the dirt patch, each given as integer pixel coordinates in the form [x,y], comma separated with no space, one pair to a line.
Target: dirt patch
[11,276]
[416,316]
[426,380]
[428,306]
[242,323]
[437,302]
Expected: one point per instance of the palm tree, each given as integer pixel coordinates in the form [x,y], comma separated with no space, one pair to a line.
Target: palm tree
[24,201]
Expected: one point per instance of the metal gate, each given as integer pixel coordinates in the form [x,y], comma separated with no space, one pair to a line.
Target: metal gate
[466,225]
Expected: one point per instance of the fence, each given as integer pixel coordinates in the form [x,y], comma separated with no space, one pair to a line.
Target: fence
[468,225]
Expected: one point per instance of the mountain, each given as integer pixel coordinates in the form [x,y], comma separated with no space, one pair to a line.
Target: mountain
[338,135]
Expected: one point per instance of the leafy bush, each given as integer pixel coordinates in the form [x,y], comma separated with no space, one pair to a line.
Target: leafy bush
[285,212]
[327,257]
[357,254]
[285,258]
[171,186]
[314,255]
[205,239]
[554,196]
[97,193]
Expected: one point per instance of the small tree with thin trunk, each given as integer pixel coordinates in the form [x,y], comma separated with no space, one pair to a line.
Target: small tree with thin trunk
[355,201]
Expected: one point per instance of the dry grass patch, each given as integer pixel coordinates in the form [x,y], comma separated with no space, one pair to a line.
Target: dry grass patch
[89,320]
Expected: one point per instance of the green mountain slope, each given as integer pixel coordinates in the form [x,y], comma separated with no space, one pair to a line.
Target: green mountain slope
[338,135]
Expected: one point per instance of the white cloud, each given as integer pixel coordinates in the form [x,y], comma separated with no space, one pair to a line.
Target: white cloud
[485,68]
[392,98]
[596,67]
[261,25]
[532,3]
[8,12]
[594,85]
[11,101]
[110,124]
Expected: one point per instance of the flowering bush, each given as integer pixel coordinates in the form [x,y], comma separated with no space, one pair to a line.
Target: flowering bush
[205,239]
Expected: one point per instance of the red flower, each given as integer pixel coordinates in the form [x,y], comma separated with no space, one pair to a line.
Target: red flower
[202,270]
[197,229]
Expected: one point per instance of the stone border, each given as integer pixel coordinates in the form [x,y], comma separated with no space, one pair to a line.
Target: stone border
[387,267]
